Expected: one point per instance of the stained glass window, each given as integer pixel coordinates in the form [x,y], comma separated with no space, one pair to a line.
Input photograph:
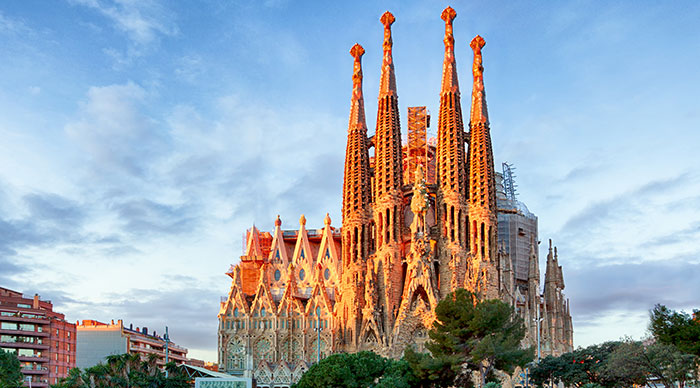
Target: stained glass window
[327,274]
[278,275]
[302,274]
[235,312]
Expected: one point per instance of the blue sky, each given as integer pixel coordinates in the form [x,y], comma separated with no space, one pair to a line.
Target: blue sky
[139,139]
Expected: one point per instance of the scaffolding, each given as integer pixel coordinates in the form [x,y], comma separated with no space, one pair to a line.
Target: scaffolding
[417,149]
[509,185]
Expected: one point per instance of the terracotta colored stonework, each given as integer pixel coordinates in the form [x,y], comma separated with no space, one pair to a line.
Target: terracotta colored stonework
[405,243]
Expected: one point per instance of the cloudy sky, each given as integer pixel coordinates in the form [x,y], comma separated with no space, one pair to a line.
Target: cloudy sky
[139,139]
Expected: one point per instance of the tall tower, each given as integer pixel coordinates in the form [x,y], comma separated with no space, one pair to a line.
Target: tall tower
[388,170]
[451,172]
[356,209]
[482,188]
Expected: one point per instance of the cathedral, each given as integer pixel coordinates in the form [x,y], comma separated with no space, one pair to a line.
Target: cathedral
[419,220]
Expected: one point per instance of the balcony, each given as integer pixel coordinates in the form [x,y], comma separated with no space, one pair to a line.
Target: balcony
[24,345]
[38,371]
[33,358]
[15,318]
[25,332]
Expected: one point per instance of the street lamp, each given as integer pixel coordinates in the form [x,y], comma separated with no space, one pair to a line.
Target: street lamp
[537,320]
[166,337]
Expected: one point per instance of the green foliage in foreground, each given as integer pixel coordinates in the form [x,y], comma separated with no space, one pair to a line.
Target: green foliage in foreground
[470,335]
[676,328]
[10,370]
[126,371]
[619,364]
[356,370]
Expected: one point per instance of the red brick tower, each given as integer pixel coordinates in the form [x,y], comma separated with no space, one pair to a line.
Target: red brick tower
[356,210]
[388,179]
[451,172]
[483,271]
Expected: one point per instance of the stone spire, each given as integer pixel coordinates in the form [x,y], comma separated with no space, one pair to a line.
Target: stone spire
[356,182]
[449,66]
[388,180]
[482,183]
[451,172]
[387,84]
[356,209]
[479,113]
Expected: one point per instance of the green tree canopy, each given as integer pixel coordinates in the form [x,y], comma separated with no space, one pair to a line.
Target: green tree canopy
[582,366]
[635,363]
[10,370]
[470,335]
[126,371]
[676,328]
[357,370]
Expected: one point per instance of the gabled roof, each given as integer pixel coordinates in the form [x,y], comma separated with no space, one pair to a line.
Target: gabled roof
[303,253]
[253,243]
[278,249]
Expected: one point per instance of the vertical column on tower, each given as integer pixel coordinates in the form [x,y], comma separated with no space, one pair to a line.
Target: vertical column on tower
[451,173]
[388,181]
[484,267]
[356,211]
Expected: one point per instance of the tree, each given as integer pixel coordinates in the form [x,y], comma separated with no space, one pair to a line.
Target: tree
[676,328]
[363,369]
[470,335]
[577,368]
[10,370]
[124,371]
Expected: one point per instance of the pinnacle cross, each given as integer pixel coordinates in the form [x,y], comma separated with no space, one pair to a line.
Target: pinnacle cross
[479,112]
[449,66]
[387,20]
[448,15]
[387,85]
[357,109]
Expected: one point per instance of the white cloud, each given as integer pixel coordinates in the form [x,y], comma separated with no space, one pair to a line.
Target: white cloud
[142,20]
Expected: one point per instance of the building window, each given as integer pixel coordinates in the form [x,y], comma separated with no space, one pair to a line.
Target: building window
[278,275]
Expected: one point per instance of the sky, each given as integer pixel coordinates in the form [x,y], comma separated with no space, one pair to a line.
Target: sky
[140,138]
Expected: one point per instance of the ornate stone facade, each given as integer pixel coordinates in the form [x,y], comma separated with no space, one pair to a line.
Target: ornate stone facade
[299,295]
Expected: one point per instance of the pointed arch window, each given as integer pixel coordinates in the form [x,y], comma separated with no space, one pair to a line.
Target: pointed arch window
[262,312]
[277,254]
[301,254]
[278,275]
[302,274]
[235,312]
[327,273]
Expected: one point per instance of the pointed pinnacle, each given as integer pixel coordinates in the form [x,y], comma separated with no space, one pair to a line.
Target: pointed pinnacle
[477,43]
[448,15]
[357,51]
[387,19]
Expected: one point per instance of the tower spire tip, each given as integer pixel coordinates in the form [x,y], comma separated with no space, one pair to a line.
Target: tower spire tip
[448,15]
